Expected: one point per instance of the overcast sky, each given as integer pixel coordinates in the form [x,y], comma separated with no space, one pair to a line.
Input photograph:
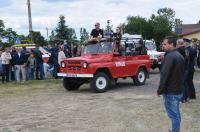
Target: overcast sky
[84,13]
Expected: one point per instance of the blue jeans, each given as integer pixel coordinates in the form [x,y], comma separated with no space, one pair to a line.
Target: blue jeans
[31,73]
[41,70]
[171,102]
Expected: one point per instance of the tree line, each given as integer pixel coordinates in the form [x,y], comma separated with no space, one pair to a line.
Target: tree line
[156,27]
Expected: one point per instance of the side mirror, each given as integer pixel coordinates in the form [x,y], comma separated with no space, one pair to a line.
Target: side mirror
[116,54]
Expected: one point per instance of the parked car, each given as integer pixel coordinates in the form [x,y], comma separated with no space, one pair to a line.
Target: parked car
[155,56]
[29,47]
[101,66]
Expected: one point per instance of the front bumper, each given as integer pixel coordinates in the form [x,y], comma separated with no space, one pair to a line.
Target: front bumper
[73,75]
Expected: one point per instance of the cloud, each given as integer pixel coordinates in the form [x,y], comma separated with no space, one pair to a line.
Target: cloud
[5,3]
[55,1]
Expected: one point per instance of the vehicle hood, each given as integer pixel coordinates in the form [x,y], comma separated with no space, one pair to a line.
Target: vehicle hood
[97,58]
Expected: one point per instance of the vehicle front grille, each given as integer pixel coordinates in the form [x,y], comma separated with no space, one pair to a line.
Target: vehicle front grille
[74,65]
[74,68]
[74,62]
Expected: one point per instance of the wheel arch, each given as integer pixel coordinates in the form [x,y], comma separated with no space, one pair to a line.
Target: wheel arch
[104,70]
[145,68]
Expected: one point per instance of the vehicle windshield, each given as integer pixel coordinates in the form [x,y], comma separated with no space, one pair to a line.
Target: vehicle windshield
[101,47]
[150,46]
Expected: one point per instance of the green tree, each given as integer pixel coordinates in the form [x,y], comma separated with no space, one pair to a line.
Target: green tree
[24,39]
[178,22]
[161,28]
[52,38]
[1,27]
[83,35]
[138,25]
[10,35]
[63,32]
[39,39]
[169,14]
[1,31]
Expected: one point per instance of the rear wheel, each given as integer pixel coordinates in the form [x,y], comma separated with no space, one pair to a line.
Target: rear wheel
[100,83]
[70,84]
[140,77]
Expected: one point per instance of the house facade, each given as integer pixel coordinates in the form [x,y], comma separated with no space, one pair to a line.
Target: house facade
[189,31]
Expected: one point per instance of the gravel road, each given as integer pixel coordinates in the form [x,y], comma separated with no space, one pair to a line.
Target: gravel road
[48,107]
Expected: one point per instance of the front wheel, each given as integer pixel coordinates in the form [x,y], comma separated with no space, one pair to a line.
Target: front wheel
[140,77]
[70,84]
[100,83]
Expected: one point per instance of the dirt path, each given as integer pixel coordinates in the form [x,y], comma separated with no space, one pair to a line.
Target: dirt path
[47,107]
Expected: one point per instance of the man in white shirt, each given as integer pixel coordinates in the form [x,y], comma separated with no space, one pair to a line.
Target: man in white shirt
[6,57]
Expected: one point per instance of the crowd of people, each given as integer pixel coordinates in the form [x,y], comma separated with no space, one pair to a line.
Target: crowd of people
[176,76]
[19,64]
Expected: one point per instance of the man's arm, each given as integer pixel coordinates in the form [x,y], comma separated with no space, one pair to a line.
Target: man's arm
[165,73]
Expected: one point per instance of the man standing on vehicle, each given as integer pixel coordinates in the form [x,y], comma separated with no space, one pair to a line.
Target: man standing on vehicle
[97,33]
[171,81]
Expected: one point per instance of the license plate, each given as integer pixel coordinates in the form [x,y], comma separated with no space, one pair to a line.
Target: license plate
[159,62]
[71,75]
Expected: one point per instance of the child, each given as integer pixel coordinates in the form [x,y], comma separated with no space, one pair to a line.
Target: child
[31,66]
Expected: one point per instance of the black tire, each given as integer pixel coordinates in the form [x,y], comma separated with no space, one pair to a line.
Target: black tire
[70,84]
[140,77]
[100,83]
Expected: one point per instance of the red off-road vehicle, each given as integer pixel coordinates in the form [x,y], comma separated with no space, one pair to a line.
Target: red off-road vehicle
[101,66]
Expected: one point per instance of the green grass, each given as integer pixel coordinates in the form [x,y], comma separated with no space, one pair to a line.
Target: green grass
[29,86]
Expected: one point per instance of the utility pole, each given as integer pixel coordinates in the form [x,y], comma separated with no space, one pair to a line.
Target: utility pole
[30,21]
[47,35]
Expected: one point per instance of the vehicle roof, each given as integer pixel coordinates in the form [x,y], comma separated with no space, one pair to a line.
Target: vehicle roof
[23,45]
[134,36]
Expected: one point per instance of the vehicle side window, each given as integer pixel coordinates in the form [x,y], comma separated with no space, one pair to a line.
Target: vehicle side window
[130,49]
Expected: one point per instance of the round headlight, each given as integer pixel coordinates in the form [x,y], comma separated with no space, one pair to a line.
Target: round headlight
[85,65]
[63,64]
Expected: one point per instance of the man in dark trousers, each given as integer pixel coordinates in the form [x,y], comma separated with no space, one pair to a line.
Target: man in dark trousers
[53,60]
[192,55]
[20,63]
[182,49]
[171,81]
[39,64]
